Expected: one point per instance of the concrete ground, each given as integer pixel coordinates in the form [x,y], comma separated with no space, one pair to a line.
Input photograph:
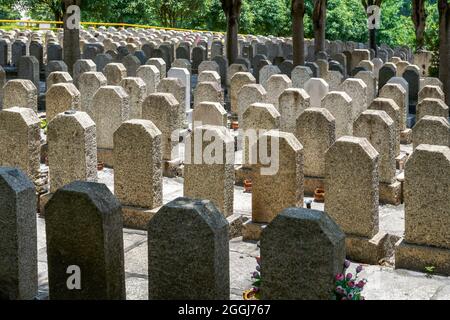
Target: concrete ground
[384,283]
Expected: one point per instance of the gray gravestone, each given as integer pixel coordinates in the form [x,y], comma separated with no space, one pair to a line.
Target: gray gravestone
[29,69]
[188,252]
[84,229]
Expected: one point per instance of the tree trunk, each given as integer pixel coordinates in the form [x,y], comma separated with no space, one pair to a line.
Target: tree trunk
[444,52]
[232,10]
[298,32]
[319,24]
[71,49]
[419,17]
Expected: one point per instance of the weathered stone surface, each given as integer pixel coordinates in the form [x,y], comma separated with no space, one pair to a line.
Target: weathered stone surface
[160,64]
[266,72]
[150,75]
[176,88]
[317,89]
[72,149]
[233,69]
[61,97]
[20,93]
[58,77]
[238,81]
[198,266]
[20,140]
[84,229]
[431,107]
[114,73]
[137,169]
[379,129]
[136,90]
[339,104]
[185,77]
[18,236]
[208,92]
[248,95]
[392,109]
[89,83]
[397,93]
[29,69]
[308,241]
[215,162]
[300,75]
[371,83]
[351,186]
[110,107]
[431,130]
[131,63]
[292,103]
[209,76]
[80,67]
[278,184]
[316,131]
[434,92]
[208,66]
[275,86]
[357,91]
[210,113]
[167,115]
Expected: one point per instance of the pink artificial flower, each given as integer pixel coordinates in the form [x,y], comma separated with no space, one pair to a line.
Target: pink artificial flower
[346,264]
[361,284]
[351,284]
[339,277]
[339,289]
[349,276]
[359,269]
[350,296]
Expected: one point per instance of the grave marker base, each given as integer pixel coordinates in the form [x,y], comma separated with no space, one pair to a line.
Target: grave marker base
[406,136]
[251,231]
[137,218]
[391,193]
[418,257]
[365,250]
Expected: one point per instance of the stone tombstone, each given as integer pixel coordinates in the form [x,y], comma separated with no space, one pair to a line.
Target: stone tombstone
[397,93]
[239,80]
[102,60]
[89,83]
[4,59]
[81,66]
[430,81]
[29,69]
[208,66]
[110,107]
[366,64]
[216,165]
[393,111]
[72,149]
[201,233]
[316,131]
[275,86]
[137,169]
[18,50]
[266,72]
[259,117]
[323,67]
[114,73]
[286,67]
[54,66]
[377,64]
[131,63]
[432,107]
[208,92]
[257,70]
[278,185]
[148,49]
[199,54]
[20,93]
[339,104]
[314,69]
[371,83]
[20,139]
[352,164]
[54,53]
[209,76]
[427,224]
[412,76]
[185,77]
[387,71]
[243,61]
[165,52]
[308,241]
[18,245]
[431,92]
[232,70]
[317,89]
[431,130]
[300,75]
[142,57]
[58,77]
[357,91]
[2,84]
[183,53]
[150,75]
[167,114]
[61,97]
[292,103]
[160,64]
[136,90]
[85,213]
[216,49]
[209,113]
[175,87]
[401,66]
[248,95]
[223,68]
[379,129]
